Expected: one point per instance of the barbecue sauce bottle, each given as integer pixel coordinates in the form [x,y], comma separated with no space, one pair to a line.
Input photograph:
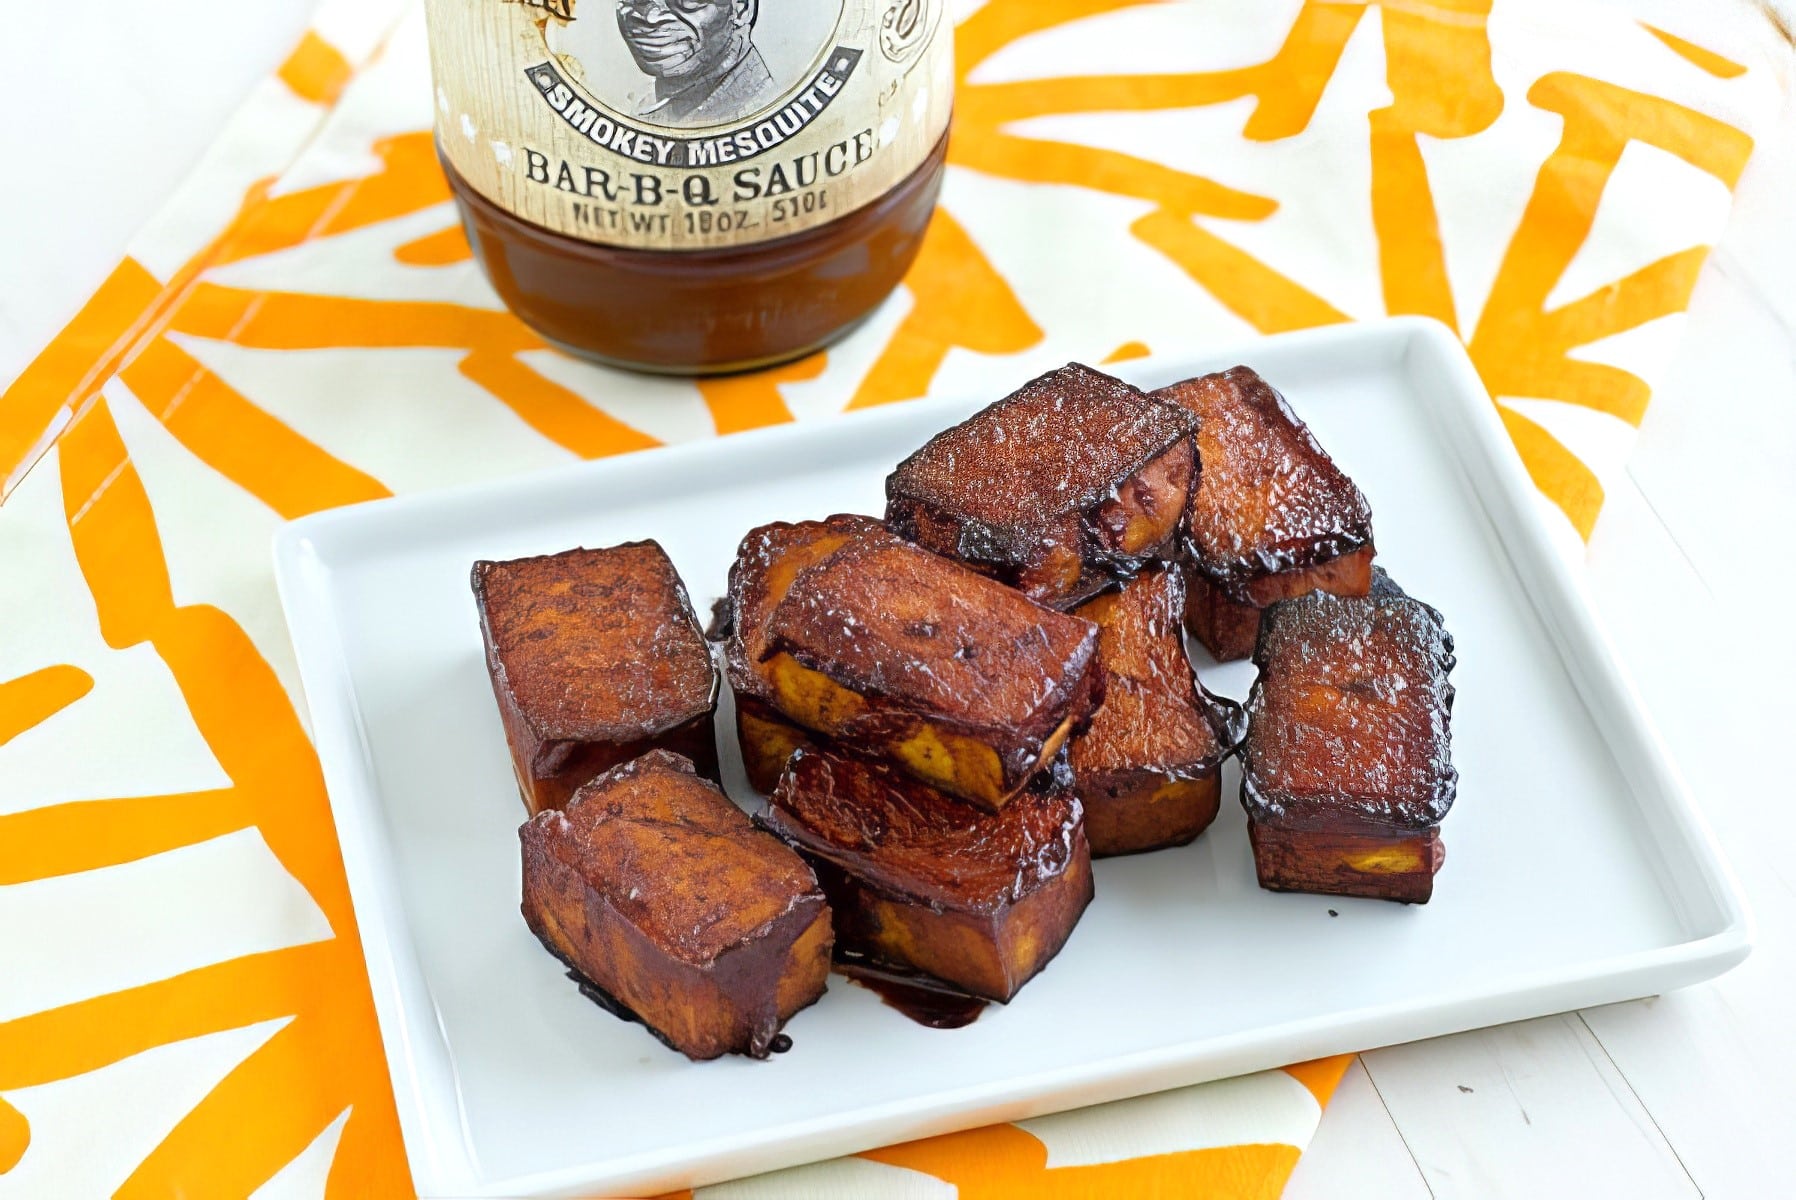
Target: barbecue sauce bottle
[692,186]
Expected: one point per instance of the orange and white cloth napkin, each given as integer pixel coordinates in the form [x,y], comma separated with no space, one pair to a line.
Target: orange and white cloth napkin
[183,1008]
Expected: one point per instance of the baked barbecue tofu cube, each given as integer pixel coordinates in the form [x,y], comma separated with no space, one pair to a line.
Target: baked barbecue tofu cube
[1347,771]
[1272,516]
[919,881]
[1072,480]
[906,656]
[595,657]
[766,562]
[1149,770]
[658,891]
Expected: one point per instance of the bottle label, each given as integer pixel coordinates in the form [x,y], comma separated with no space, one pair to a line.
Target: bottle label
[688,124]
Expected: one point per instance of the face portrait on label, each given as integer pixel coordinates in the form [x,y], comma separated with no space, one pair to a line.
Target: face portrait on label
[688,64]
[701,55]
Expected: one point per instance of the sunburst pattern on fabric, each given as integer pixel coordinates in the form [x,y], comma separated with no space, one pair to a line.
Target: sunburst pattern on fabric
[1126,178]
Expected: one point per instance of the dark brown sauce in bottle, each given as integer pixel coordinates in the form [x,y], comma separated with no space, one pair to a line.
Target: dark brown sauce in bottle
[923,998]
[703,311]
[693,186]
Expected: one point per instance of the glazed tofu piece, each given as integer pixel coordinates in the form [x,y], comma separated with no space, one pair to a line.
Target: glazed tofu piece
[595,657]
[1149,770]
[921,882]
[1347,768]
[766,562]
[661,894]
[1272,516]
[906,656]
[1056,490]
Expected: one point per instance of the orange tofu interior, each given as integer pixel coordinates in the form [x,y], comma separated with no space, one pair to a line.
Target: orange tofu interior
[595,658]
[658,890]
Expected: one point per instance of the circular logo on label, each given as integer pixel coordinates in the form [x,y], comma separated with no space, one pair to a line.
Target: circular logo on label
[903,28]
[691,64]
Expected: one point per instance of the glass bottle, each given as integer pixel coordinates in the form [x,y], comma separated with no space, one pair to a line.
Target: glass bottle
[692,186]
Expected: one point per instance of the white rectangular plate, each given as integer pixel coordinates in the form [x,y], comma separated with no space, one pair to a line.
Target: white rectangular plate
[1577,872]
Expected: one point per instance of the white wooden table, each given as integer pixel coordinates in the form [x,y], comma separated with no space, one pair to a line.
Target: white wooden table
[1688,1094]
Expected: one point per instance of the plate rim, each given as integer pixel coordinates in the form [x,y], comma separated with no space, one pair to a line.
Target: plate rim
[440,1151]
